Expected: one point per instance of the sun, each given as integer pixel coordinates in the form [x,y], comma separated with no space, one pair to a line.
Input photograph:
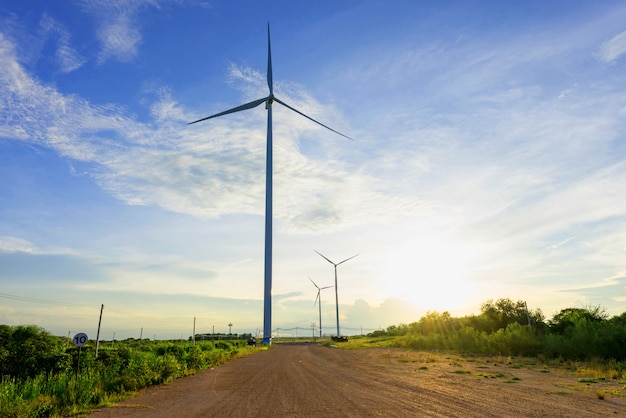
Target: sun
[431,274]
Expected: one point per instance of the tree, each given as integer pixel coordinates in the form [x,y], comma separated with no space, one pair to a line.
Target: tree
[32,350]
[503,312]
[435,322]
[567,317]
[5,339]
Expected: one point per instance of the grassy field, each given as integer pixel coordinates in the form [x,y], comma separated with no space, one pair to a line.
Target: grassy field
[63,389]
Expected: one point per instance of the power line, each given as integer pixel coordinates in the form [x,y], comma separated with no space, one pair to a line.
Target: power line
[41,301]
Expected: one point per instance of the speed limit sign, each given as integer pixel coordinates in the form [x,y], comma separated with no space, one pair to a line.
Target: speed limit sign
[80,339]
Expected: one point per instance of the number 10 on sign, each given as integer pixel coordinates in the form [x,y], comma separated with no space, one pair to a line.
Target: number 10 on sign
[80,339]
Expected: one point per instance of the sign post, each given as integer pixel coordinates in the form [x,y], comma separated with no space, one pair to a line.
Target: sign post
[79,340]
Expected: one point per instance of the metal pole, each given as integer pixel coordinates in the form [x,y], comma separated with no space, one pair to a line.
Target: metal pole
[320,309]
[78,362]
[267,301]
[194,330]
[337,302]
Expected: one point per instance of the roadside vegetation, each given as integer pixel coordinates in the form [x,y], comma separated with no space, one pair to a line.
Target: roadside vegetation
[40,377]
[582,340]
[505,327]
[584,343]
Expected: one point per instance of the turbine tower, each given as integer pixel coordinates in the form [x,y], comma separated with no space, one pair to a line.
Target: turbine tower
[336,292]
[318,298]
[269,100]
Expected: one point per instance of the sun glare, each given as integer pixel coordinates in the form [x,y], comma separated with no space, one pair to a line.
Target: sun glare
[431,275]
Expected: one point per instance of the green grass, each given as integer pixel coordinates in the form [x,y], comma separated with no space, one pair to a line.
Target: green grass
[116,374]
[490,375]
[562,392]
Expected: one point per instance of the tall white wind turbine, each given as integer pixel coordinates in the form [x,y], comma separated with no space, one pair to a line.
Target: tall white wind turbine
[336,291]
[269,100]
[318,300]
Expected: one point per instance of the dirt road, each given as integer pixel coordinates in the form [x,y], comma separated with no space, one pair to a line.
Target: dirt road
[316,381]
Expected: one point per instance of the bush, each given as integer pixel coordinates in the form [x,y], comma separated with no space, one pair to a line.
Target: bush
[514,340]
[40,371]
[29,350]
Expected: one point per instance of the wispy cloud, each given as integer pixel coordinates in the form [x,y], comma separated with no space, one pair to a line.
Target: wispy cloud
[614,48]
[14,245]
[205,170]
[66,56]
[118,26]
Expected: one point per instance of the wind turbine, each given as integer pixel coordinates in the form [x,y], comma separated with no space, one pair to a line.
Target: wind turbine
[336,292]
[319,298]
[269,100]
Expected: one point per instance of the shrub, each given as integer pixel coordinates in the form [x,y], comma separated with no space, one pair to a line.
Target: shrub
[29,350]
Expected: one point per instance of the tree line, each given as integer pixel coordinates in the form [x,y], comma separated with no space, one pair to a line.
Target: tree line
[506,327]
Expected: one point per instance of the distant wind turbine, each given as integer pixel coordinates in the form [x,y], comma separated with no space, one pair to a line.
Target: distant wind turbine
[336,291]
[318,298]
[269,100]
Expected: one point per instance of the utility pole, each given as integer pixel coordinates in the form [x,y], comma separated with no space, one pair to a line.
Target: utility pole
[98,335]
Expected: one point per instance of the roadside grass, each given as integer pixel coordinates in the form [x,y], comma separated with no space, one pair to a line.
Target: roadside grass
[584,374]
[562,392]
[366,342]
[490,375]
[115,375]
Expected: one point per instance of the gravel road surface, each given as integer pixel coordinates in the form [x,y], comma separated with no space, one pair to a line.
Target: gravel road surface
[309,380]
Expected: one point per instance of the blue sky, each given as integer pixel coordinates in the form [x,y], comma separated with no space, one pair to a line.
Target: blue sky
[488,161]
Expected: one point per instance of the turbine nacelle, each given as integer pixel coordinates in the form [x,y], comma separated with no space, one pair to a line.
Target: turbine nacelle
[319,290]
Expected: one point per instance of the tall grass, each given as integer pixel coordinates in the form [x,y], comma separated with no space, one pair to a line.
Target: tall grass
[116,372]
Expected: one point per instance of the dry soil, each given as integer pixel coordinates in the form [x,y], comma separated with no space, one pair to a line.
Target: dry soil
[310,380]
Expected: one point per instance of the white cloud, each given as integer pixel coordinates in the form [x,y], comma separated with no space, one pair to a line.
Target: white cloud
[66,56]
[10,244]
[205,170]
[15,245]
[613,48]
[118,26]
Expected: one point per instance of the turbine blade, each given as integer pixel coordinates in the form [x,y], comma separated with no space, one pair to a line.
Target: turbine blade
[324,257]
[316,298]
[311,119]
[314,284]
[270,81]
[347,259]
[233,110]
[327,287]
